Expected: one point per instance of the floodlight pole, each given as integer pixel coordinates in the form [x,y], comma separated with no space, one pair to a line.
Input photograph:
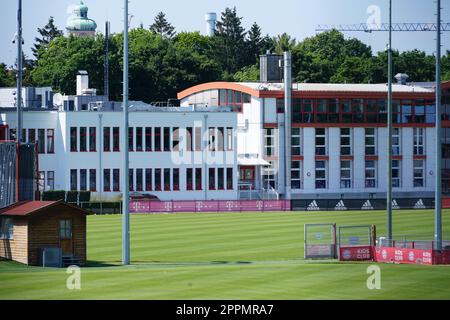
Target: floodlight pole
[125,198]
[438,194]
[19,73]
[389,132]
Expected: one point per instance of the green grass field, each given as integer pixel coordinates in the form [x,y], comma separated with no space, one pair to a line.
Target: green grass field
[230,256]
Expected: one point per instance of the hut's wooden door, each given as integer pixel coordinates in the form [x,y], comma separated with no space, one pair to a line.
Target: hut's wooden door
[65,236]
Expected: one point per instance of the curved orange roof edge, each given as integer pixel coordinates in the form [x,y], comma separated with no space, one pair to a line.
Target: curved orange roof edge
[217,85]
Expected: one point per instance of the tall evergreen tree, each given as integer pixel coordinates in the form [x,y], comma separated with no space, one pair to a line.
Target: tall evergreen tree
[162,27]
[257,44]
[230,42]
[47,34]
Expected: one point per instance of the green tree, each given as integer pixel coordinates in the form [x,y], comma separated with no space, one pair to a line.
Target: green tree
[247,74]
[7,78]
[256,43]
[58,64]
[162,27]
[47,34]
[446,66]
[229,43]
[353,70]
[282,43]
[318,58]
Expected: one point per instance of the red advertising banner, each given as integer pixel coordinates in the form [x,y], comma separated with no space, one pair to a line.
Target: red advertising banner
[356,253]
[142,206]
[404,255]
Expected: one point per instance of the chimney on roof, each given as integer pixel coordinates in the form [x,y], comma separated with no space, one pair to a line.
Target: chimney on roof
[82,82]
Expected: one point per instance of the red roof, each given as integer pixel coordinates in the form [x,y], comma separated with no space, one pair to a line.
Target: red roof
[26,208]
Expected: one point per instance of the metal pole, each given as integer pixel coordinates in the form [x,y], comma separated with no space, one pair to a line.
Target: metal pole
[19,73]
[287,121]
[438,195]
[106,75]
[100,155]
[125,214]
[389,132]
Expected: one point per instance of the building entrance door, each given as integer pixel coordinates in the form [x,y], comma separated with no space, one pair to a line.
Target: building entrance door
[65,236]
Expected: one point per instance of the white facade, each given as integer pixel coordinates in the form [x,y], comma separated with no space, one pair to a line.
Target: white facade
[226,142]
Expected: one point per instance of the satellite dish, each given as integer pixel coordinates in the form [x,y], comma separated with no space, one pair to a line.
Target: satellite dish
[58,99]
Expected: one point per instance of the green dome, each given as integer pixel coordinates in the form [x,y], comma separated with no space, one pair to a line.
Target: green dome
[79,21]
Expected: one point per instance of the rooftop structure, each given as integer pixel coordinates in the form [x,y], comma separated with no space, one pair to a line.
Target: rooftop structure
[78,24]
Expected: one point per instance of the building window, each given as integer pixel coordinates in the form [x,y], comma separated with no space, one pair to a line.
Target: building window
[321,175]
[106,180]
[198,139]
[370,174]
[92,139]
[189,179]
[396,150]
[296,142]
[41,181]
[419,146]
[188,132]
[229,178]
[419,173]
[116,179]
[220,178]
[167,180]
[212,178]
[83,179]
[198,179]
[12,134]
[296,175]
[321,142]
[229,139]
[212,139]
[148,139]
[92,179]
[32,135]
[396,173]
[73,139]
[41,141]
[139,146]
[83,139]
[50,180]
[131,179]
[166,139]
[130,139]
[220,138]
[176,139]
[370,141]
[346,174]
[116,139]
[321,111]
[73,180]
[148,179]
[106,139]
[269,175]
[65,229]
[139,179]
[6,228]
[346,142]
[50,141]
[233,99]
[157,139]
[269,139]
[158,179]
[176,179]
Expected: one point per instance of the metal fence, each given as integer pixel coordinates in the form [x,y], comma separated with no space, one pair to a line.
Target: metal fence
[411,242]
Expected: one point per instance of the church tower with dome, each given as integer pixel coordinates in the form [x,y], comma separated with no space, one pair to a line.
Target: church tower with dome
[78,24]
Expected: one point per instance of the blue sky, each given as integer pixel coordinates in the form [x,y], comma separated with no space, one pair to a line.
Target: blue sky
[299,18]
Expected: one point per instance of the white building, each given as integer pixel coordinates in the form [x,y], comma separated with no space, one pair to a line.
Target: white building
[224,142]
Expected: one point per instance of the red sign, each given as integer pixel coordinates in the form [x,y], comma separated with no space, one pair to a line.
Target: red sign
[404,255]
[356,253]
